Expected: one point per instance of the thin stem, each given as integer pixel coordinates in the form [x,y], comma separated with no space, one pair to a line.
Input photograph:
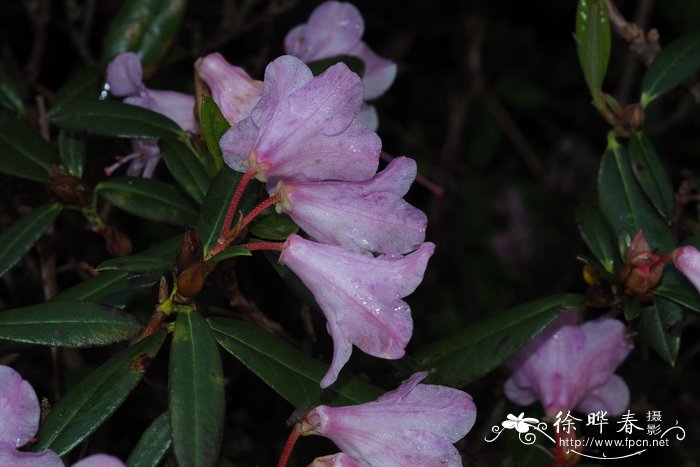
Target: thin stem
[288,446]
[256,210]
[270,246]
[237,195]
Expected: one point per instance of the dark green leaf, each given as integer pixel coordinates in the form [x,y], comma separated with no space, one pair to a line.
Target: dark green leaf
[148,198]
[274,227]
[160,258]
[95,398]
[153,445]
[72,151]
[23,153]
[215,206]
[67,324]
[291,373]
[186,169]
[230,252]
[23,234]
[146,27]
[651,174]
[110,287]
[83,85]
[671,66]
[196,387]
[623,202]
[593,44]
[659,325]
[213,126]
[9,94]
[355,64]
[596,232]
[113,118]
[468,354]
[632,310]
[675,287]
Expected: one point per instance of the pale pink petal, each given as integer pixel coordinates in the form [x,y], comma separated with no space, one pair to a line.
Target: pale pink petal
[13,458]
[124,75]
[237,143]
[333,29]
[99,460]
[687,260]
[233,90]
[359,295]
[359,216]
[335,460]
[379,72]
[368,116]
[19,409]
[612,397]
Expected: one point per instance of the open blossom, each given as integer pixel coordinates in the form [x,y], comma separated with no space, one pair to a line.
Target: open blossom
[359,216]
[233,90]
[687,260]
[571,366]
[19,421]
[336,28]
[304,127]
[125,79]
[359,295]
[416,424]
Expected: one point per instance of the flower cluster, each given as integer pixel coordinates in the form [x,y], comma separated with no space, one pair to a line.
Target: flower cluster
[571,366]
[304,139]
[125,79]
[19,421]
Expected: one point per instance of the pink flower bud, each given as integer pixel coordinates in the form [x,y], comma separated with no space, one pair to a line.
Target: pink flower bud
[687,260]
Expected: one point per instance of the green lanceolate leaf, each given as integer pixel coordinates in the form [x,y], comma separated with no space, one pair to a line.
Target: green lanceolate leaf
[82,85]
[213,126]
[10,97]
[468,354]
[215,206]
[160,258]
[72,151]
[675,287]
[593,44]
[671,66]
[148,198]
[112,118]
[651,174]
[67,324]
[23,234]
[23,153]
[110,287]
[153,444]
[288,371]
[596,232]
[95,398]
[274,227]
[186,169]
[659,325]
[196,387]
[624,204]
[146,27]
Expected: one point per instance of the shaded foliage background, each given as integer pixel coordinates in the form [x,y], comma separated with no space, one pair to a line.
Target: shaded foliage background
[491,102]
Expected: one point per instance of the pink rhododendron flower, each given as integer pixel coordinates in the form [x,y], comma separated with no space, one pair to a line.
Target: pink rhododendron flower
[233,90]
[359,295]
[19,422]
[335,460]
[570,366]
[416,424]
[304,127]
[687,260]
[336,28]
[125,79]
[359,216]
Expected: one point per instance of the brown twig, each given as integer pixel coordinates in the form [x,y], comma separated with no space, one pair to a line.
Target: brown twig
[631,66]
[39,12]
[646,46]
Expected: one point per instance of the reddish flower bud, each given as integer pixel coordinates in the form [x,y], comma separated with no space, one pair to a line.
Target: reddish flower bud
[68,188]
[643,269]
